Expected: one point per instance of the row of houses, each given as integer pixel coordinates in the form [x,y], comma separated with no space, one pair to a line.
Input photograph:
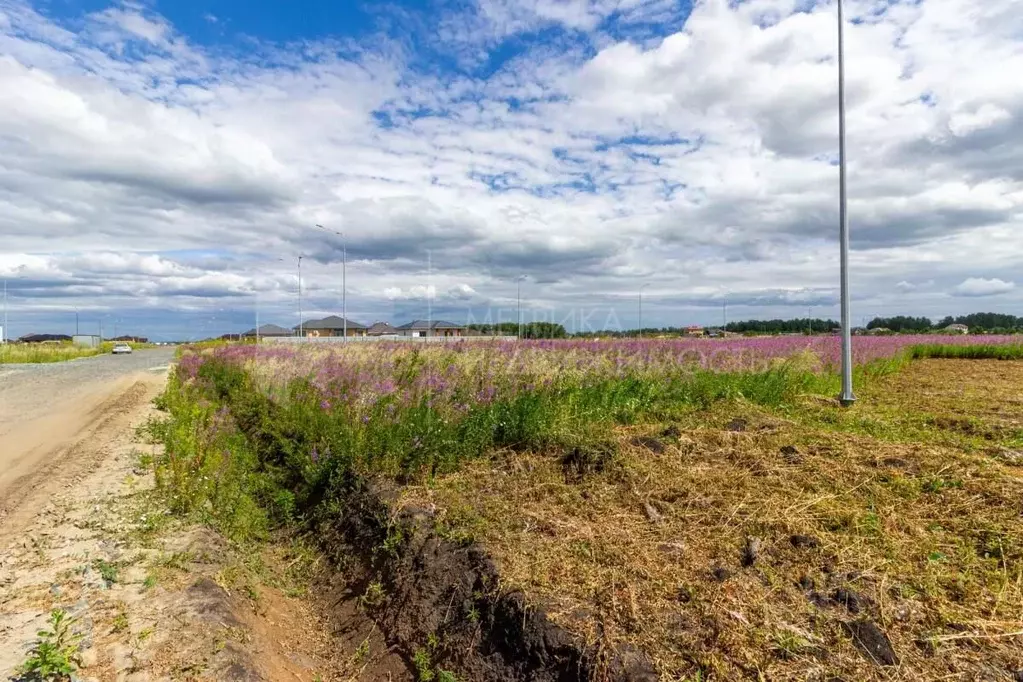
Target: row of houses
[64,338]
[338,326]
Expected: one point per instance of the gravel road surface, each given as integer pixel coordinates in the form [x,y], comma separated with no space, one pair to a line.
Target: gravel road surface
[54,419]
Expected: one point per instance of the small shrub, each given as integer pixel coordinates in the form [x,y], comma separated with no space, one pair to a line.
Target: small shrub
[55,656]
[424,665]
[108,571]
[374,595]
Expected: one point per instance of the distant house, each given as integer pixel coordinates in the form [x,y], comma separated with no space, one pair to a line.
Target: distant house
[435,328]
[382,329]
[135,339]
[332,326]
[879,331]
[269,330]
[957,329]
[693,330]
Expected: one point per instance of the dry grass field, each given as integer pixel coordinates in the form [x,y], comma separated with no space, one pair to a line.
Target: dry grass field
[808,542]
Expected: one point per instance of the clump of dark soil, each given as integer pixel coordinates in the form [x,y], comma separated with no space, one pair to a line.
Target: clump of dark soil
[750,551]
[585,460]
[737,425]
[720,573]
[671,431]
[790,453]
[804,542]
[847,598]
[872,641]
[440,601]
[648,442]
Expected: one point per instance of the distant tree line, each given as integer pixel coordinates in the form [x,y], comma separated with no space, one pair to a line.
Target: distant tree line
[902,323]
[632,333]
[798,326]
[530,330]
[977,322]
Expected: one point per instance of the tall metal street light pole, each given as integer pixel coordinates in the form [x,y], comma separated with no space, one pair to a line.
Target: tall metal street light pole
[846,398]
[301,325]
[641,309]
[344,285]
[6,332]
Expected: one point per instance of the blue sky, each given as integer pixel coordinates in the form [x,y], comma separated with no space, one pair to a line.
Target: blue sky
[164,164]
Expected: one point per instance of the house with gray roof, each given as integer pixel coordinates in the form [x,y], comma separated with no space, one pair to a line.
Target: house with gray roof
[382,329]
[332,326]
[269,330]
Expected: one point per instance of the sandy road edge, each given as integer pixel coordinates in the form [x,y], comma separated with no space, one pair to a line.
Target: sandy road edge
[59,461]
[169,603]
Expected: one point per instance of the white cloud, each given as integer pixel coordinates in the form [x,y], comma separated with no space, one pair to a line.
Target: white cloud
[417,292]
[976,286]
[700,161]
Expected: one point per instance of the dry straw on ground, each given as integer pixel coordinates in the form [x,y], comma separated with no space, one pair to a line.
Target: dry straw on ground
[885,542]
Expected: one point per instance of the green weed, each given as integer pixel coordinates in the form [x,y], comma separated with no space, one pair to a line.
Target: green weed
[107,570]
[374,595]
[120,622]
[423,663]
[55,656]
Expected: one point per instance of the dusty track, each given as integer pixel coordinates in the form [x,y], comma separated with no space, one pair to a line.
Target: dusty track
[177,601]
[56,423]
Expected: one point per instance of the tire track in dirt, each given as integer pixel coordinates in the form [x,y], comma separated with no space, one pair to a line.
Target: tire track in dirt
[169,601]
[46,454]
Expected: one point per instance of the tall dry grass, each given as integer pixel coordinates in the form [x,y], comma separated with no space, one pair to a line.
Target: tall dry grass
[35,353]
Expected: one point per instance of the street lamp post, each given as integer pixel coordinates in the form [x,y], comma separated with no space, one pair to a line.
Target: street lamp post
[846,398]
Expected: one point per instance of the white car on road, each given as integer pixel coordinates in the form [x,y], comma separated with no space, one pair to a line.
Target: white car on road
[121,348]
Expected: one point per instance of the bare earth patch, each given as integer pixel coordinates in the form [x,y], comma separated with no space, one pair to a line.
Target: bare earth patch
[885,542]
[154,599]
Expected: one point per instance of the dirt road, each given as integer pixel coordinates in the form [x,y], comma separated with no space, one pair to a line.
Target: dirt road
[153,597]
[55,420]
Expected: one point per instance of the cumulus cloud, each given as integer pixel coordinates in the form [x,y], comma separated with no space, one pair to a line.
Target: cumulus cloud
[977,286]
[413,293]
[623,142]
